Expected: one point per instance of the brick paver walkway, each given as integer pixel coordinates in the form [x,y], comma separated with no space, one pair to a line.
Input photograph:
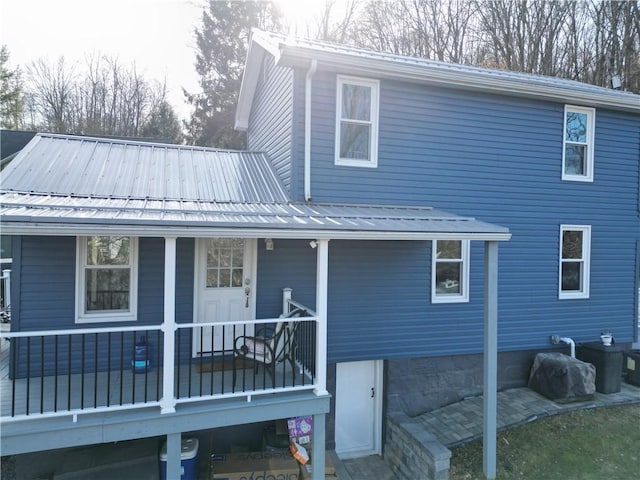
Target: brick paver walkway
[461,422]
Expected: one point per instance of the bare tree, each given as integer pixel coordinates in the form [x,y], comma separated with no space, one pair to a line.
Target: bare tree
[51,87]
[107,99]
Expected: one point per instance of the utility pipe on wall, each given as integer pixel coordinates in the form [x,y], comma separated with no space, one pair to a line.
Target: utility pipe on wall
[555,339]
[307,130]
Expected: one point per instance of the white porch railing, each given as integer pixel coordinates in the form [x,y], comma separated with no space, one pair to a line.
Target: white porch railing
[70,372]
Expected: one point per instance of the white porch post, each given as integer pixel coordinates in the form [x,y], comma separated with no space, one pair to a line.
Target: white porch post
[286,296]
[168,401]
[6,276]
[490,358]
[322,279]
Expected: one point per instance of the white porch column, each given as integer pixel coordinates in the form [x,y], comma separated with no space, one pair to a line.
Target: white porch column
[6,276]
[168,401]
[286,296]
[490,359]
[322,281]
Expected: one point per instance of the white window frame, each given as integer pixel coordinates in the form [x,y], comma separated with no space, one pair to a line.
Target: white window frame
[589,144]
[585,260]
[463,296]
[372,162]
[81,265]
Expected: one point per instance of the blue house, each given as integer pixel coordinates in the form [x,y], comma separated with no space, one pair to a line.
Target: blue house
[142,273]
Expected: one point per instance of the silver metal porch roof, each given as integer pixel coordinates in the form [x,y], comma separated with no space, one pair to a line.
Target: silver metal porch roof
[61,185]
[47,214]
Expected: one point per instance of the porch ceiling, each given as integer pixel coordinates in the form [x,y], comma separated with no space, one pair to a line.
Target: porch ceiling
[42,214]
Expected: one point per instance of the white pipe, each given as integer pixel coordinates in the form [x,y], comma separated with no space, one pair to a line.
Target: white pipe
[556,339]
[307,130]
[571,343]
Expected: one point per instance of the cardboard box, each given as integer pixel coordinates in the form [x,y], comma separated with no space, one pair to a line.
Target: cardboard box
[255,466]
[300,429]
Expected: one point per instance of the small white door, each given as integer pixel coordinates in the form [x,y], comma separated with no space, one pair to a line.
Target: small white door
[224,290]
[358,408]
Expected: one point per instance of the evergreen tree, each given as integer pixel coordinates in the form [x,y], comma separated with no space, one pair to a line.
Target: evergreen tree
[11,94]
[222,42]
[163,124]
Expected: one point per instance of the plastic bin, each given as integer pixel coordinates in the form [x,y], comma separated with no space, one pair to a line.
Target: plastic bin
[632,366]
[188,460]
[608,363]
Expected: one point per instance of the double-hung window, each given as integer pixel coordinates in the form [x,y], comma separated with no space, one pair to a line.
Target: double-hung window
[577,155]
[575,253]
[450,271]
[357,122]
[106,279]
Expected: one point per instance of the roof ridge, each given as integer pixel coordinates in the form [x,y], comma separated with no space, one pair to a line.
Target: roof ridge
[141,143]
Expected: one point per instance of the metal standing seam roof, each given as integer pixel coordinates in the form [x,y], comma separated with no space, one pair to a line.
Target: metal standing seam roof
[69,185]
[97,167]
[293,51]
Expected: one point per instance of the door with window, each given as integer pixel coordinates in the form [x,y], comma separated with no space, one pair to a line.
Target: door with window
[224,290]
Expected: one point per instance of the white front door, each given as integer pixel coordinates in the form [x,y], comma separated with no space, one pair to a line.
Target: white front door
[358,408]
[224,290]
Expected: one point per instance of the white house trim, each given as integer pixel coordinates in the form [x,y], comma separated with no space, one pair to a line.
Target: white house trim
[322,282]
[168,401]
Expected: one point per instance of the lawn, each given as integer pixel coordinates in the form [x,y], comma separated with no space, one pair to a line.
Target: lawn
[602,443]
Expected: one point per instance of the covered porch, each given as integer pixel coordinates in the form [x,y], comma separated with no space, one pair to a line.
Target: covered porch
[195,194]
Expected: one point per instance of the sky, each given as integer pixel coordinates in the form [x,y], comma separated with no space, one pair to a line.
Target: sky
[158,35]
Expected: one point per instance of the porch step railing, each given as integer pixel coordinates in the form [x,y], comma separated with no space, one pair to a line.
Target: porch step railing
[52,373]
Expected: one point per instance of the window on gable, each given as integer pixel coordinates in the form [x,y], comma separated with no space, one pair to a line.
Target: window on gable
[107,279]
[577,156]
[357,122]
[575,253]
[450,271]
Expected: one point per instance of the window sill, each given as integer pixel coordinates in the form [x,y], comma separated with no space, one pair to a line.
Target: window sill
[106,318]
[356,163]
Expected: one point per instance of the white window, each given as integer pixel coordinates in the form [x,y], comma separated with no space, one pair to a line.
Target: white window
[577,154]
[106,287]
[450,271]
[575,253]
[357,122]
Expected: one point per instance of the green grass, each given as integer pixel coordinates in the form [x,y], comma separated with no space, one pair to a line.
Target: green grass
[602,443]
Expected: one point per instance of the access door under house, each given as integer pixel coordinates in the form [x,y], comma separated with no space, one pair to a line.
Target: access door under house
[358,409]
[224,290]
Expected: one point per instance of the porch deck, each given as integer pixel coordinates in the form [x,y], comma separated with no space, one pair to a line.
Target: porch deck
[123,388]
[92,370]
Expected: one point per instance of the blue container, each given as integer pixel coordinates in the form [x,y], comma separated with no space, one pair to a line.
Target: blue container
[188,459]
[141,362]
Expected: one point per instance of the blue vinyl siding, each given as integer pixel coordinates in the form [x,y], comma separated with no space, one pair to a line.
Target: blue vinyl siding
[497,159]
[271,119]
[46,299]
[291,264]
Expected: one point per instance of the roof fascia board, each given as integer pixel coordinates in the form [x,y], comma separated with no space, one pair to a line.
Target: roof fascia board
[70,229]
[296,56]
[259,45]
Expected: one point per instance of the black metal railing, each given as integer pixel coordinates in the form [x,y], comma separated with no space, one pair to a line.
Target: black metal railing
[92,369]
[248,357]
[74,372]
